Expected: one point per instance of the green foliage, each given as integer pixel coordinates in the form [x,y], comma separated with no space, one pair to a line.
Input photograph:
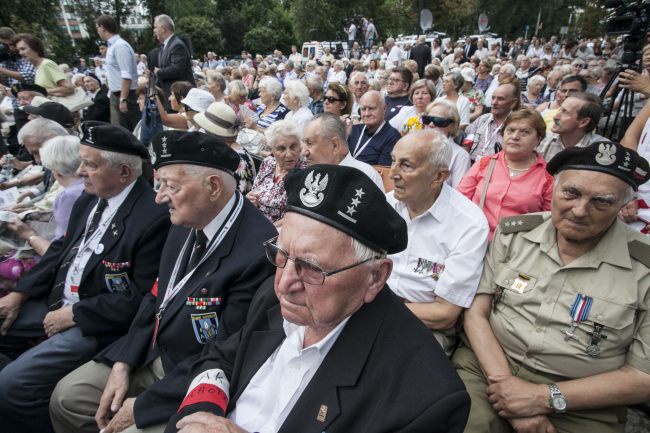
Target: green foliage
[260,40]
[205,35]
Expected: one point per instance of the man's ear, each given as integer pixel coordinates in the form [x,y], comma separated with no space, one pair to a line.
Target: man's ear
[378,277]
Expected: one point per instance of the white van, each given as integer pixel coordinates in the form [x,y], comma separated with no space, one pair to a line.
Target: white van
[314,49]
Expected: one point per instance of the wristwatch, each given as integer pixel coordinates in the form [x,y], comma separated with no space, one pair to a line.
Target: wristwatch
[557,401]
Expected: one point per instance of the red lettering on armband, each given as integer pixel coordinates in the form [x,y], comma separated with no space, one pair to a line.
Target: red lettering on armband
[154,288]
[206,393]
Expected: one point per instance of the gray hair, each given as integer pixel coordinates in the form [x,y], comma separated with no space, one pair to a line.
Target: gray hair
[165,21]
[40,130]
[217,78]
[272,86]
[314,82]
[281,128]
[114,158]
[330,126]
[456,78]
[534,80]
[61,154]
[508,69]
[296,89]
[237,89]
[363,252]
[356,74]
[439,149]
[201,172]
[452,110]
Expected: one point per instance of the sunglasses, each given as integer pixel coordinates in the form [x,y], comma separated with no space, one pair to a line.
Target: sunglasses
[331,99]
[440,122]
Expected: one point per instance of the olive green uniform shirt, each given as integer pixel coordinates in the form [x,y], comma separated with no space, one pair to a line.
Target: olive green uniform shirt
[533,293]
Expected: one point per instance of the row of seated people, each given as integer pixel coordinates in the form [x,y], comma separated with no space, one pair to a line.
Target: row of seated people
[179,309]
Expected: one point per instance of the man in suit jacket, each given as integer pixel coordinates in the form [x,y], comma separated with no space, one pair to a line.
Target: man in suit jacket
[91,281]
[174,58]
[190,306]
[101,109]
[331,351]
[421,53]
[469,49]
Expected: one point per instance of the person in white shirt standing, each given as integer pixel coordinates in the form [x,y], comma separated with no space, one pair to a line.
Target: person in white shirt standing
[395,55]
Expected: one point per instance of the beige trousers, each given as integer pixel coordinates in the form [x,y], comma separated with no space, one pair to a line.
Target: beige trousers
[76,397]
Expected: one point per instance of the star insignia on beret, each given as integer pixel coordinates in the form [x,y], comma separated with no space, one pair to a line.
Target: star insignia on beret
[506,224]
[520,222]
[351,210]
[359,192]
[355,201]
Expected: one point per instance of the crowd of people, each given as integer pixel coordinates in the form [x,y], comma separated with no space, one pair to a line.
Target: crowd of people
[416,239]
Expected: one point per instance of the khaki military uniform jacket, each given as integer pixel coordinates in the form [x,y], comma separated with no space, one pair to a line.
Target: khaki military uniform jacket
[533,292]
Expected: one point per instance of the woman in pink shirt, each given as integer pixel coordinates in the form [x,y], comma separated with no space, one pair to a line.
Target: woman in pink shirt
[516,178]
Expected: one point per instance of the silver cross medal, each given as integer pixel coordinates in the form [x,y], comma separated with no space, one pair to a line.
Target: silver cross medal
[569,333]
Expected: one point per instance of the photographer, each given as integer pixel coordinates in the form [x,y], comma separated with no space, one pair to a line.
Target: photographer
[13,68]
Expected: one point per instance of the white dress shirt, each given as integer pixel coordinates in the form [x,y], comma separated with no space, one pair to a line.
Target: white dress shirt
[91,246]
[120,64]
[276,387]
[444,254]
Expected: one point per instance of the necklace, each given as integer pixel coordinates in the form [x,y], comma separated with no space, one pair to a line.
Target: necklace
[515,171]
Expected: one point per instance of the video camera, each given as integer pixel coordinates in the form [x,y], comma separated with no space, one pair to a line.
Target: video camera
[630,18]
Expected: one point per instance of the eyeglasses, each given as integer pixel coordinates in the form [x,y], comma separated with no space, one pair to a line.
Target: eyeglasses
[395,80]
[440,122]
[308,272]
[360,83]
[331,99]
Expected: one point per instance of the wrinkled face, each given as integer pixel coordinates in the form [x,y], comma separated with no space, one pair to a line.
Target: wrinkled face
[324,306]
[411,170]
[159,31]
[585,203]
[25,98]
[90,84]
[359,85]
[372,110]
[185,194]
[502,100]
[524,64]
[448,85]
[396,84]
[286,152]
[441,111]
[520,140]
[536,88]
[315,149]
[567,119]
[421,98]
[567,89]
[100,177]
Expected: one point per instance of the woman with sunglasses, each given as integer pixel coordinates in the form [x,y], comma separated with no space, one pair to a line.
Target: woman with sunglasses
[443,116]
[513,181]
[409,116]
[338,100]
[452,83]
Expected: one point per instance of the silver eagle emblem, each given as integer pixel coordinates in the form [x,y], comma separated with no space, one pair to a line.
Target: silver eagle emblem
[606,154]
[312,194]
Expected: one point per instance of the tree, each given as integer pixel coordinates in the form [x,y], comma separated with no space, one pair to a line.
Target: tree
[260,40]
[205,35]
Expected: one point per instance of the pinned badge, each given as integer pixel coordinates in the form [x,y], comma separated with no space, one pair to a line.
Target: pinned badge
[519,285]
[312,194]
[322,413]
[99,249]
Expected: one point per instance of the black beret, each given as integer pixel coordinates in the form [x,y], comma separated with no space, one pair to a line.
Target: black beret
[24,87]
[196,148]
[348,200]
[606,157]
[113,138]
[53,111]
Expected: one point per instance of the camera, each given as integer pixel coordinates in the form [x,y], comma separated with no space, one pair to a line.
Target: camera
[629,18]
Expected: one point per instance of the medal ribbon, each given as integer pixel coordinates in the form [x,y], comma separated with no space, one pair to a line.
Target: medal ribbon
[580,308]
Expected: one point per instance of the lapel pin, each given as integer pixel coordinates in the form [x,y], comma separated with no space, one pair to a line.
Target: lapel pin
[99,248]
[322,413]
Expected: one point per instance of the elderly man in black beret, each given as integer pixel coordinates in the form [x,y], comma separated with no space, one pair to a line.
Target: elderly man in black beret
[559,331]
[211,266]
[86,289]
[327,345]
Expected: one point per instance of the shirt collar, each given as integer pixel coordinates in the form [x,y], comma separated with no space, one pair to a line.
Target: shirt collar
[296,335]
[611,249]
[438,209]
[167,40]
[112,40]
[213,226]
[115,201]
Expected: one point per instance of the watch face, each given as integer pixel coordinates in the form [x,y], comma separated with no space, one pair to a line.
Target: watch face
[559,403]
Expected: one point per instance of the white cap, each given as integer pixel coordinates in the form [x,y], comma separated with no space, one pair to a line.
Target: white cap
[198,100]
[468,74]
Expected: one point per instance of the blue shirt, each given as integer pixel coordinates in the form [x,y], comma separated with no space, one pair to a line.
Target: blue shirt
[373,148]
[120,64]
